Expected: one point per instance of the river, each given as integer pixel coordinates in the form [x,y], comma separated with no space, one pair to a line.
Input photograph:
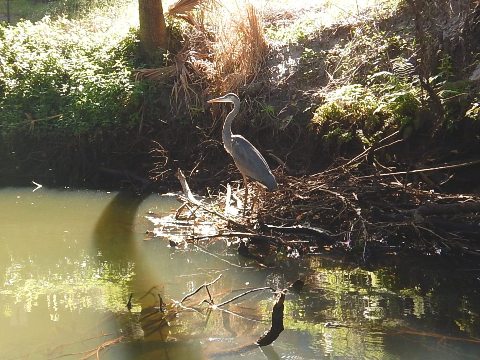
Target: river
[70,259]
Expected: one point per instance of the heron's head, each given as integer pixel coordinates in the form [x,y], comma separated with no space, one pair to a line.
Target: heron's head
[231,98]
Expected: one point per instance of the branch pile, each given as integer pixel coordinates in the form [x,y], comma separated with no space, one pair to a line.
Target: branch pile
[363,208]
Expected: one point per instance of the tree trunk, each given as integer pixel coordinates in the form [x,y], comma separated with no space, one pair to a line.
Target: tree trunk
[153,32]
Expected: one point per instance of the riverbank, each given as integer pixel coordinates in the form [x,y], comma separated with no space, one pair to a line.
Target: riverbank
[368,121]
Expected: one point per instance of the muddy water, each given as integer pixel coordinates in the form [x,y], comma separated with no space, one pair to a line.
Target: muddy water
[70,259]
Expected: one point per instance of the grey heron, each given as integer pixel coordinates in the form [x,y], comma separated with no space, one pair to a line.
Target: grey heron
[247,158]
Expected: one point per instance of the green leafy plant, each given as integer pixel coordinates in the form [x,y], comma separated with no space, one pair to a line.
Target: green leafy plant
[364,112]
[72,80]
[345,110]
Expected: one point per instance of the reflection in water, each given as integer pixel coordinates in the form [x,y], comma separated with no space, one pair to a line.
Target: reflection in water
[114,242]
[113,234]
[69,261]
[389,312]
[50,276]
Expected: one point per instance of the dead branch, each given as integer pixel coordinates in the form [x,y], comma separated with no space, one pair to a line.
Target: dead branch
[448,209]
[373,148]
[221,259]
[277,322]
[322,234]
[191,199]
[243,294]
[358,210]
[444,167]
[205,285]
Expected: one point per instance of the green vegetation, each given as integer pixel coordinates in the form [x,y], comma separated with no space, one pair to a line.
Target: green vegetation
[297,32]
[36,10]
[24,9]
[75,79]
[361,112]
[374,89]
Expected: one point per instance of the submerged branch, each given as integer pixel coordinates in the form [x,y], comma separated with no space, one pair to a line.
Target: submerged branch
[277,322]
[205,285]
[243,294]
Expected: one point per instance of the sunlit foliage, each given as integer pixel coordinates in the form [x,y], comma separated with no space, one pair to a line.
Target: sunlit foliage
[67,75]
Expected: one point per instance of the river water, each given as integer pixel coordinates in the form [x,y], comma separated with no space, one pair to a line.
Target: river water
[69,261]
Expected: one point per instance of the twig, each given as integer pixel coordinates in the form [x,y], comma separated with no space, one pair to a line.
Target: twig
[387,145]
[38,186]
[219,258]
[187,308]
[243,294]
[235,234]
[240,316]
[365,152]
[200,288]
[101,347]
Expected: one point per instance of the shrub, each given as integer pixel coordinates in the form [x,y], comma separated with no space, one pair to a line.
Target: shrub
[61,75]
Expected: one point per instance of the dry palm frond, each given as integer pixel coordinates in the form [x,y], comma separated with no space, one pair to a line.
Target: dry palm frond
[223,51]
[183,7]
[239,51]
[156,74]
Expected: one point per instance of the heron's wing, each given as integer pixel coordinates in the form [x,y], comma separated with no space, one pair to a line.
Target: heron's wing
[251,163]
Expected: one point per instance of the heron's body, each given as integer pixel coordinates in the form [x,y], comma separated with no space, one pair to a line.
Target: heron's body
[248,160]
[246,157]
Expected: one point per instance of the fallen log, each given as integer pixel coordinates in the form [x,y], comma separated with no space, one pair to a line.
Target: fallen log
[448,209]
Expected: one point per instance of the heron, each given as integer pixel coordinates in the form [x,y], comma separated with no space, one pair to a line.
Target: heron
[247,158]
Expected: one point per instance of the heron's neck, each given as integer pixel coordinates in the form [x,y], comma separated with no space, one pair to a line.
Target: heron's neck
[227,127]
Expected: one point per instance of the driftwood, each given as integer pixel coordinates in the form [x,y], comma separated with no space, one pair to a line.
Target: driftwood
[186,188]
[190,199]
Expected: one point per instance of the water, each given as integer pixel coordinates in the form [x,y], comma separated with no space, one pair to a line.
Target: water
[70,259]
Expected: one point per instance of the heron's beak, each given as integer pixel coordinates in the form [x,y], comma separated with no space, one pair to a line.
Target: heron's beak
[217,100]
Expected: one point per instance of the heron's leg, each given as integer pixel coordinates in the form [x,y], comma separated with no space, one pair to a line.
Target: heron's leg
[255,197]
[245,183]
